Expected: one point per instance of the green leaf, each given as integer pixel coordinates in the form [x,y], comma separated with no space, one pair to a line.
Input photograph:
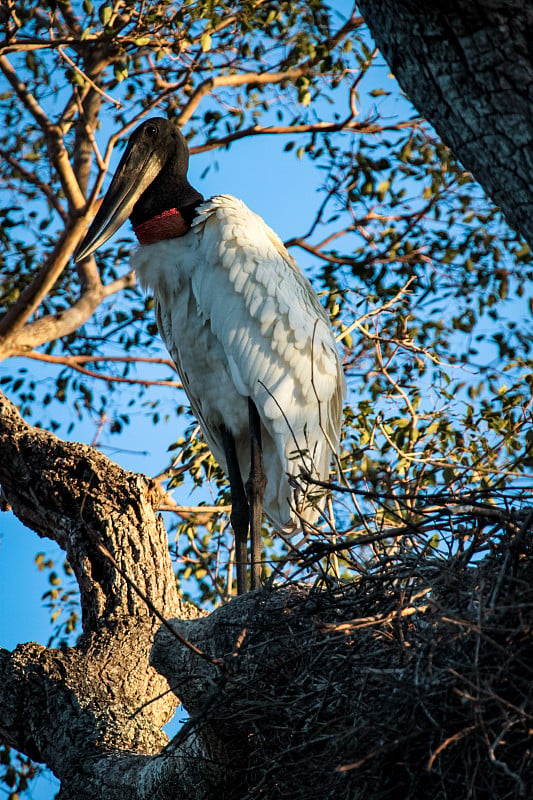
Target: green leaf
[120,71]
[105,13]
[78,78]
[382,189]
[205,42]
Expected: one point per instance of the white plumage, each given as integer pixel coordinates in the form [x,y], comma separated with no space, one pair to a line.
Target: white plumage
[240,320]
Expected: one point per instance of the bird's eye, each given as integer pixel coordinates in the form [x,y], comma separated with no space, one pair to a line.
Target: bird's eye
[151,130]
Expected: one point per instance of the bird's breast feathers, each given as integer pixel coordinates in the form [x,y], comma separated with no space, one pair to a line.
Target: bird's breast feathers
[248,291]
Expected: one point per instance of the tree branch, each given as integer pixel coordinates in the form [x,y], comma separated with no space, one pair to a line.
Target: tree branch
[41,716]
[77,362]
[17,338]
[57,150]
[36,474]
[104,687]
[31,297]
[313,127]
[245,79]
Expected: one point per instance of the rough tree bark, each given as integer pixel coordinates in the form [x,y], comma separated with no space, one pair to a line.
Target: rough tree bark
[70,707]
[467,66]
[94,712]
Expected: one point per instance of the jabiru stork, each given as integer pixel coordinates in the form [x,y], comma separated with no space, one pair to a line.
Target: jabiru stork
[251,342]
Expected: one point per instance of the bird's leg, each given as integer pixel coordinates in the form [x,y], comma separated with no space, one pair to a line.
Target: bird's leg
[240,514]
[255,489]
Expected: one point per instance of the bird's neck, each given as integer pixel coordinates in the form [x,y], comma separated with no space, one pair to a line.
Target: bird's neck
[168,225]
[165,210]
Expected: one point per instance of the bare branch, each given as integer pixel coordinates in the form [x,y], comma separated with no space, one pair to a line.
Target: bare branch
[57,150]
[32,296]
[376,311]
[313,127]
[89,80]
[29,44]
[83,359]
[76,363]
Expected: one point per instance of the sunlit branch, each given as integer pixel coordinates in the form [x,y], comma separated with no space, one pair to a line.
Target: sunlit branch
[19,340]
[397,388]
[207,86]
[31,297]
[376,311]
[166,506]
[418,457]
[23,45]
[89,276]
[373,258]
[92,359]
[405,344]
[312,127]
[85,77]
[77,363]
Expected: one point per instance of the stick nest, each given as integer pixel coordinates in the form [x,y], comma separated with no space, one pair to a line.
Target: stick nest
[414,681]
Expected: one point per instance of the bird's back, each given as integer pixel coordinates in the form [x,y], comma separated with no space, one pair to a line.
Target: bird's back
[240,320]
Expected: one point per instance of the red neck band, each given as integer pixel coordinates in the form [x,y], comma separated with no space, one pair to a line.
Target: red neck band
[168,225]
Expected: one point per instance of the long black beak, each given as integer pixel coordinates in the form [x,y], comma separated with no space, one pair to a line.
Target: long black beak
[138,167]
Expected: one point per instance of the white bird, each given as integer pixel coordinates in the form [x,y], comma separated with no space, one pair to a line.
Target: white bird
[250,340]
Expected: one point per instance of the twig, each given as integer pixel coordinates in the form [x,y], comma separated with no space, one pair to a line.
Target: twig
[375,311]
[85,77]
[456,737]
[76,363]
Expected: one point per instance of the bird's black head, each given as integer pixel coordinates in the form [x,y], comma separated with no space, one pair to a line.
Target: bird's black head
[150,178]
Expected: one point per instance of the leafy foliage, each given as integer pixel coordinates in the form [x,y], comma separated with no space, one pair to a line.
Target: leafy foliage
[17,772]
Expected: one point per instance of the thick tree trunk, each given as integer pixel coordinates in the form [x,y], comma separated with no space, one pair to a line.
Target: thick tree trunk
[72,707]
[467,66]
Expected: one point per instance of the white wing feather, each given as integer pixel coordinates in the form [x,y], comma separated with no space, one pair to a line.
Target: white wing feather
[240,320]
